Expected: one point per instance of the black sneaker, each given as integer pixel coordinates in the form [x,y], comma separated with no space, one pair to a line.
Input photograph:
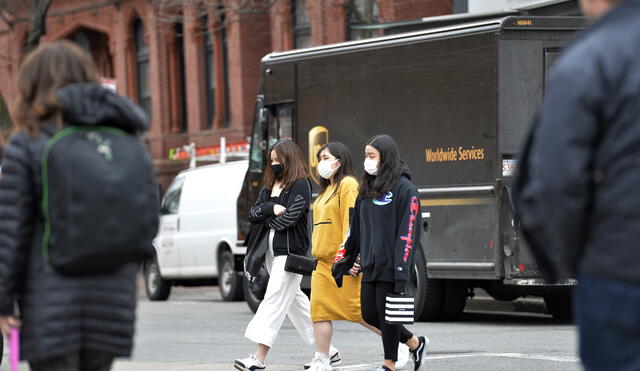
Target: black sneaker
[419,353]
[384,368]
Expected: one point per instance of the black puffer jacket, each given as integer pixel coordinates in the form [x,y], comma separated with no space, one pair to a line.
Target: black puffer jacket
[61,314]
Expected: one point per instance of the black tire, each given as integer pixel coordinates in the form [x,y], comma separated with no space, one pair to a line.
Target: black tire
[560,305]
[229,281]
[454,300]
[251,300]
[158,289]
[1,348]
[427,292]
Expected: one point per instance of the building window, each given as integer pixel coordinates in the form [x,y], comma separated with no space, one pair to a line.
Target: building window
[216,72]
[180,93]
[210,78]
[301,25]
[225,71]
[363,16]
[142,67]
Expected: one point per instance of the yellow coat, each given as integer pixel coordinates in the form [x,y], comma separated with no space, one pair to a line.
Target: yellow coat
[330,227]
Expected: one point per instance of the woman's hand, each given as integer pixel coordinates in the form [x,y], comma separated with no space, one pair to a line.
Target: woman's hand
[278,209]
[354,270]
[7,322]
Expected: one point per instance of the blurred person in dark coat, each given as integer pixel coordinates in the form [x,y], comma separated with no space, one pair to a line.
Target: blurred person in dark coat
[67,323]
[576,190]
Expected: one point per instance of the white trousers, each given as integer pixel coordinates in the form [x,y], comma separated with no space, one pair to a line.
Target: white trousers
[283,297]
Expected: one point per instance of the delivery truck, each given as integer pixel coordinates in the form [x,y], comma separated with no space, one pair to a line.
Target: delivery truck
[458,100]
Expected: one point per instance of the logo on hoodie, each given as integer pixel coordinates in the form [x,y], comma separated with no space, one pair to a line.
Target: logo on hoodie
[414,208]
[384,200]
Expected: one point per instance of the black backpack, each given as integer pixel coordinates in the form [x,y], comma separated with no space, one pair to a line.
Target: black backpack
[99,200]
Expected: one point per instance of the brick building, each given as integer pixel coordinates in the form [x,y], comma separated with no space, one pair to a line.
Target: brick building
[195,65]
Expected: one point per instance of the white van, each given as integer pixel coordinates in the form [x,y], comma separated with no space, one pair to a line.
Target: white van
[196,241]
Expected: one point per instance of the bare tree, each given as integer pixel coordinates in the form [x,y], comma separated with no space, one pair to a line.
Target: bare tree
[223,11]
[34,11]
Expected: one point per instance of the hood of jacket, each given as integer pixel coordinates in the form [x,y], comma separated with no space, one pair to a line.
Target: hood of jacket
[406,173]
[94,105]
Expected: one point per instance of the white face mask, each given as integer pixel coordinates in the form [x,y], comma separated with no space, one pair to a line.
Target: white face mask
[371,166]
[325,169]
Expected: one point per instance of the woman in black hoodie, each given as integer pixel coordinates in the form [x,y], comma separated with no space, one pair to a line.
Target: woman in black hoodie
[384,232]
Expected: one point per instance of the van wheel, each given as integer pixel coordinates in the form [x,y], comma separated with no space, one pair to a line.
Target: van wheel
[454,300]
[229,280]
[158,289]
[559,305]
[251,299]
[427,292]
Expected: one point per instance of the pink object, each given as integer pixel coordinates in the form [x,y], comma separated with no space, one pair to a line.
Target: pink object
[14,348]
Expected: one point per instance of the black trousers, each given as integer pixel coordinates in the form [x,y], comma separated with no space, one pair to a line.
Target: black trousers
[372,302]
[82,360]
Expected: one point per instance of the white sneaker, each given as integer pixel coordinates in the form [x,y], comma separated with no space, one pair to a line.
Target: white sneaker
[334,358]
[248,364]
[403,356]
[320,362]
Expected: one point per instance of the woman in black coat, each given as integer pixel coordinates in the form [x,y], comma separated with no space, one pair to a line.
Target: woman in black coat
[283,209]
[66,322]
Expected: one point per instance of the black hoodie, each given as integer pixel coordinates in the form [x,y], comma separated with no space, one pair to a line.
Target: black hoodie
[386,232]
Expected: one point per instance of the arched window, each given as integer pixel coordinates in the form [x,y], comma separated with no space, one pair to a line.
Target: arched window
[142,67]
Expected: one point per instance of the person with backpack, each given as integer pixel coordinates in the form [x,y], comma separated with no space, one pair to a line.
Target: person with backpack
[78,212]
[331,212]
[283,208]
[384,232]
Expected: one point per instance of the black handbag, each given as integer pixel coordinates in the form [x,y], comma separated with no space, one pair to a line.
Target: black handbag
[299,264]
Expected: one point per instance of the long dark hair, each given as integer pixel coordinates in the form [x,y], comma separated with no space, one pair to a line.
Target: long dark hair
[290,156]
[45,70]
[389,168]
[342,154]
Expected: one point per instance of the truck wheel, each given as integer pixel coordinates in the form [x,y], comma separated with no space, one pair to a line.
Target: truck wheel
[427,292]
[251,300]
[229,281]
[157,288]
[454,300]
[559,305]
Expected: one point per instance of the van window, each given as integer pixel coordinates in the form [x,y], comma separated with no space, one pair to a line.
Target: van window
[171,200]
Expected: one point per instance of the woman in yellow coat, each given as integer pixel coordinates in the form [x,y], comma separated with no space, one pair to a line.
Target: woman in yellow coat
[338,193]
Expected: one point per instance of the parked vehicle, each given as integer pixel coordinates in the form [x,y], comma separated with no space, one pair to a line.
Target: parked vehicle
[459,101]
[196,242]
